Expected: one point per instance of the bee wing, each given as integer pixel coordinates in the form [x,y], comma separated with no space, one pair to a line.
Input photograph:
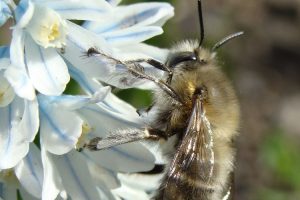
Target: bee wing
[194,158]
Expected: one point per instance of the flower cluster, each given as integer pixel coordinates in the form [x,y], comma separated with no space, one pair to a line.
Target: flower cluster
[41,126]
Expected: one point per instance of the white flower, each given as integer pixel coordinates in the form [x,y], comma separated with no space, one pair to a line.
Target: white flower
[47,28]
[19,121]
[26,176]
[41,25]
[7,93]
[45,52]
[45,70]
[60,126]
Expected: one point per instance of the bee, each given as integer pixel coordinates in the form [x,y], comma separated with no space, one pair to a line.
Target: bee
[196,104]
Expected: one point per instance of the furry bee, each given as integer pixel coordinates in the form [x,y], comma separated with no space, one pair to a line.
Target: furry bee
[195,104]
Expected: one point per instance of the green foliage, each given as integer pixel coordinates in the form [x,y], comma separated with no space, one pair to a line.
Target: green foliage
[72,88]
[136,97]
[281,157]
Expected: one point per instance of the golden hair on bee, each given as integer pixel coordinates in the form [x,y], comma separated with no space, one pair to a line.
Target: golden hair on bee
[196,105]
[198,75]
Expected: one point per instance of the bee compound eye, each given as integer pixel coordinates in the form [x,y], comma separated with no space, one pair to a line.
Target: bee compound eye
[178,58]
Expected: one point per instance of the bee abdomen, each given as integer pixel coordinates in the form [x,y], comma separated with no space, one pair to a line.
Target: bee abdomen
[190,186]
[186,190]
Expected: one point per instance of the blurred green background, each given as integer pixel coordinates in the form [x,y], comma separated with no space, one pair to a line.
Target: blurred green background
[264,65]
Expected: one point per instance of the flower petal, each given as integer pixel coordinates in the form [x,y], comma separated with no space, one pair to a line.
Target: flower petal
[85,39]
[146,182]
[102,119]
[52,182]
[71,102]
[142,50]
[24,13]
[129,193]
[47,70]
[102,175]
[131,35]
[79,10]
[14,145]
[47,28]
[30,172]
[30,120]
[140,14]
[17,48]
[20,81]
[59,127]
[116,105]
[79,41]
[131,157]
[157,149]
[111,102]
[89,85]
[75,176]
[7,93]
[16,73]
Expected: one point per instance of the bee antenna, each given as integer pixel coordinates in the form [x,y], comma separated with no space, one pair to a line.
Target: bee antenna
[226,39]
[201,22]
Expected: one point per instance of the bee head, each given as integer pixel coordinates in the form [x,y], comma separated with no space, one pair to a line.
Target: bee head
[189,52]
[188,55]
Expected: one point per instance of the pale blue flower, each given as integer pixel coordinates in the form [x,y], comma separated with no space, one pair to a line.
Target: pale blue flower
[50,76]
[41,27]
[45,52]
[19,120]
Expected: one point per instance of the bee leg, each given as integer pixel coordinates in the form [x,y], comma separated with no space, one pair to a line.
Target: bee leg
[157,65]
[152,62]
[136,69]
[123,137]
[162,84]
[93,51]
